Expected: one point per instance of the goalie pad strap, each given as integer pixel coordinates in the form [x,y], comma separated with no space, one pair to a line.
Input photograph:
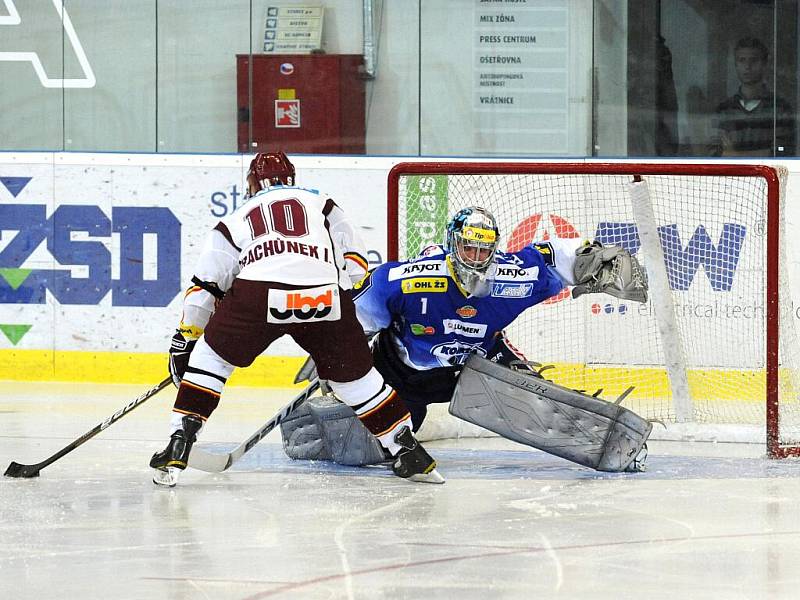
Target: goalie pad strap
[547,416]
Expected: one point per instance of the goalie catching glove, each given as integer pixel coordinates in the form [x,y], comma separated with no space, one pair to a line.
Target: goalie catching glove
[609,269]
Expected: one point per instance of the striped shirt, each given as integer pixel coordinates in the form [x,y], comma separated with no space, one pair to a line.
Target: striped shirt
[756,130]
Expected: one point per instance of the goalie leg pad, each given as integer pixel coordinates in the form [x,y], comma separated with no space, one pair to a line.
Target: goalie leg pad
[539,413]
[325,429]
[302,439]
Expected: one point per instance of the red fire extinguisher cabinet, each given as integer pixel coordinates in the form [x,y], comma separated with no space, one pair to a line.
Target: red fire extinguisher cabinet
[301,103]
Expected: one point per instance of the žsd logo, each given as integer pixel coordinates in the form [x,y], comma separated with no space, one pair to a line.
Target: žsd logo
[288,306]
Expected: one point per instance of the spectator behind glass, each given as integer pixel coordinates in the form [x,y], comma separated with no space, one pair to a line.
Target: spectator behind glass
[753,122]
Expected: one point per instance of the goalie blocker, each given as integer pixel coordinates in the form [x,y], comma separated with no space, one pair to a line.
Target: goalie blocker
[539,413]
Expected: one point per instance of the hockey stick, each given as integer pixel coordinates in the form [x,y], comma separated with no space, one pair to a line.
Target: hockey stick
[217,463]
[17,470]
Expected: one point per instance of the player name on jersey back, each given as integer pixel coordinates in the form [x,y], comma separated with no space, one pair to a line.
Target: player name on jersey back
[272,247]
[283,236]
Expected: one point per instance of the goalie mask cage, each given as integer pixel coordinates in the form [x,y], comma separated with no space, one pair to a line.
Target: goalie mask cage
[713,352]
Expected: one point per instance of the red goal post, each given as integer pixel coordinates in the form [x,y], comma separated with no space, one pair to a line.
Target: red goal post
[714,348]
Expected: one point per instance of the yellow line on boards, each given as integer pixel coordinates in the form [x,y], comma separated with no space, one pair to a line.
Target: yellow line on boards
[279,371]
[748,385]
[124,367]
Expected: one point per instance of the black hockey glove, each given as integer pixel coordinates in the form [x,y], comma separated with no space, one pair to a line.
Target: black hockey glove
[179,352]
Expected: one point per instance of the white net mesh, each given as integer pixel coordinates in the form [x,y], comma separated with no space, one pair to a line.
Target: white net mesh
[713,232]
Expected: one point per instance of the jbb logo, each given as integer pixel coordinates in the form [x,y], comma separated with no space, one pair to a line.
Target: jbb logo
[302,306]
[60,233]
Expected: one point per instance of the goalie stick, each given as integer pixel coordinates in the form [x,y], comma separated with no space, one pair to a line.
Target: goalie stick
[17,470]
[217,463]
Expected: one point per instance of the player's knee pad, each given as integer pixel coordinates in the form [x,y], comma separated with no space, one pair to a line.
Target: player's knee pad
[207,368]
[326,429]
[354,393]
[377,406]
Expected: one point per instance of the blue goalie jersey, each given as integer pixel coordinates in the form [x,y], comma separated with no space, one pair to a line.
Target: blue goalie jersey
[435,320]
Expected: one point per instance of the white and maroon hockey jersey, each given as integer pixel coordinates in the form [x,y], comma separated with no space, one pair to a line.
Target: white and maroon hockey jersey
[283,234]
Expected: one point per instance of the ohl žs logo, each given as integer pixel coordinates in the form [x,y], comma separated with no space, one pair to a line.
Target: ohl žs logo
[305,307]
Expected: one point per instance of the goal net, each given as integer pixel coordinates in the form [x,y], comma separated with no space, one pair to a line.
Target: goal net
[713,352]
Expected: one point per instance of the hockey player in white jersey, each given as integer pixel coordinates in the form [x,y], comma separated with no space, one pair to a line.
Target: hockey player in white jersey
[282,264]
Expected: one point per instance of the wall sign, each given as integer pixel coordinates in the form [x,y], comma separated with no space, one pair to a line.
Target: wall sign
[293,29]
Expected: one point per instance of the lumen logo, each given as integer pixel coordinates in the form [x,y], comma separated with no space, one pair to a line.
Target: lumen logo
[17,45]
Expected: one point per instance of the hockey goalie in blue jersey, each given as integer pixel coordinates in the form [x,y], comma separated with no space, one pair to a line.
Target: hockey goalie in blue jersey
[433,312]
[455,300]
[450,302]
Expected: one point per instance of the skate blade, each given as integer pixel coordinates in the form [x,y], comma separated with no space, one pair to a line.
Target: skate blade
[637,465]
[432,476]
[166,477]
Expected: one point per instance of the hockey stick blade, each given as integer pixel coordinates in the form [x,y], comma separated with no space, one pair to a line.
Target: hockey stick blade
[217,463]
[17,470]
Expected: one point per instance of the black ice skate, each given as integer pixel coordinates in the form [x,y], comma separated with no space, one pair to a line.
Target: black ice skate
[413,462]
[169,463]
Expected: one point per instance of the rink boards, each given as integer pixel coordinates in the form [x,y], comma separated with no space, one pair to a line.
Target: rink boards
[95,251]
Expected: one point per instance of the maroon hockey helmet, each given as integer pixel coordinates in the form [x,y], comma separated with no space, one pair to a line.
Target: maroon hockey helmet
[269,168]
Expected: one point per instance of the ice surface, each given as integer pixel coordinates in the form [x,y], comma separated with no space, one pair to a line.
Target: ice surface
[705,521]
